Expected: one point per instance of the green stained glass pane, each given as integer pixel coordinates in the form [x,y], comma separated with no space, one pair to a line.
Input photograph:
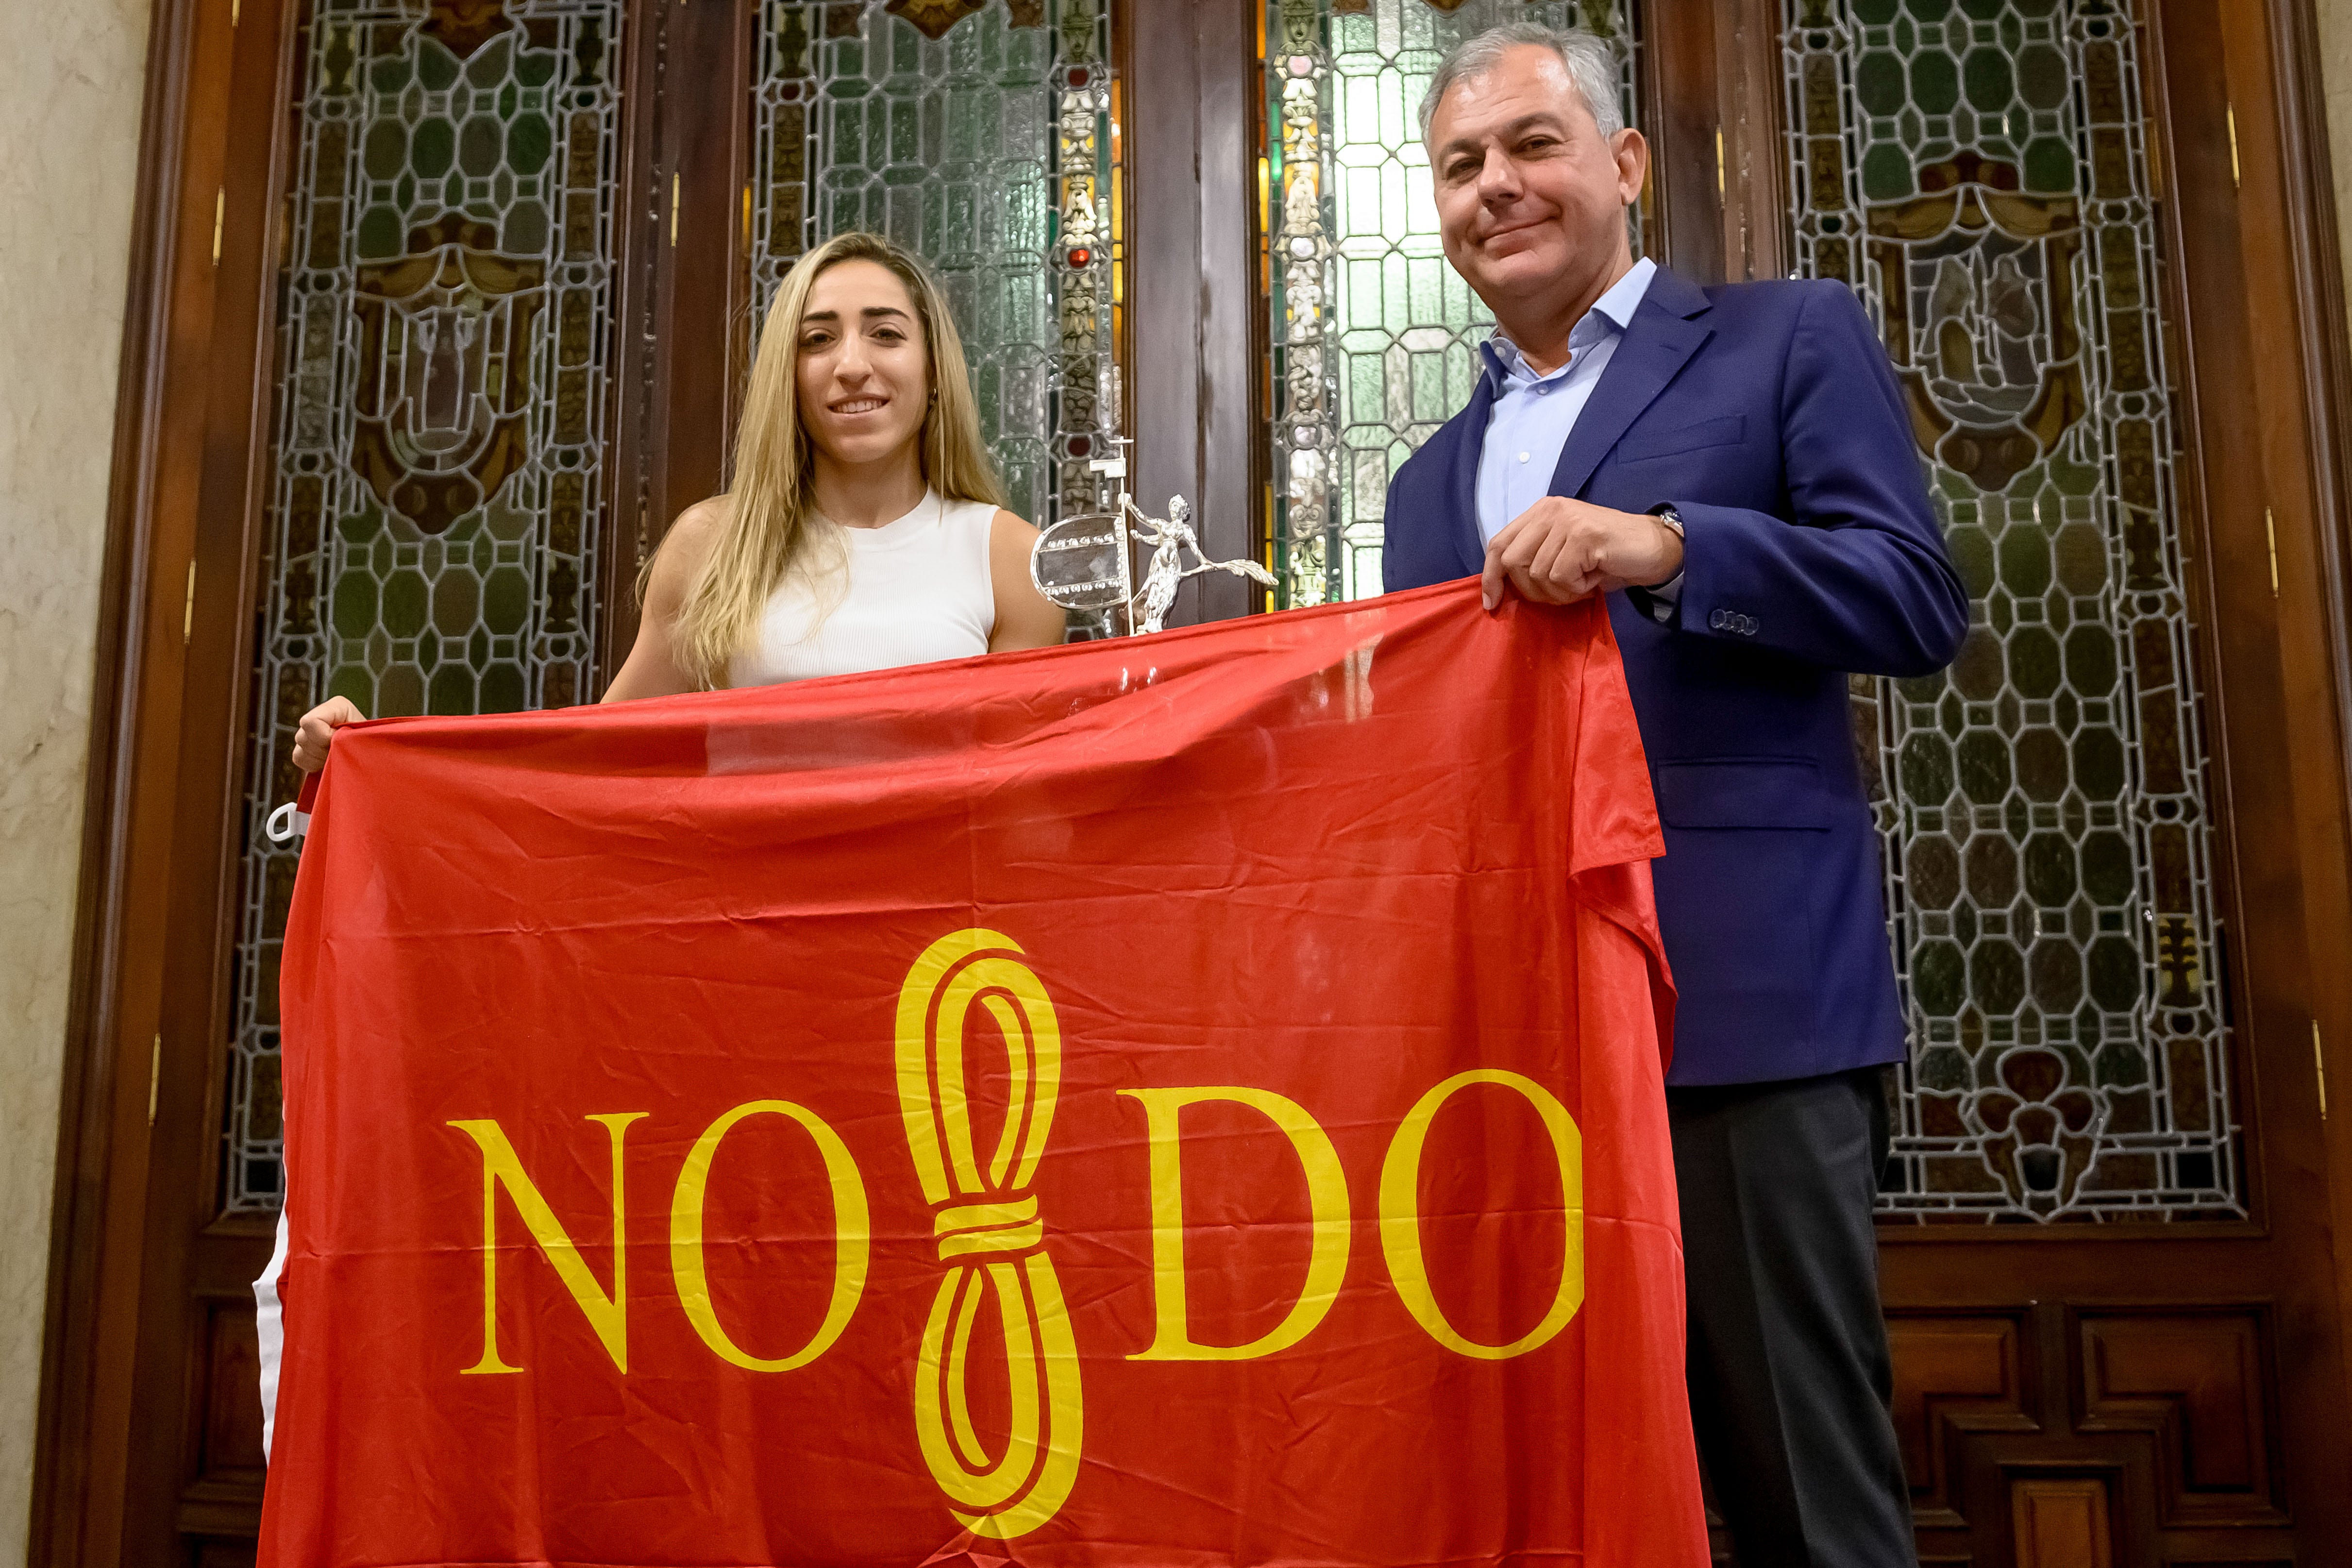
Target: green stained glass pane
[1992,862]
[2114,974]
[379,234]
[1878,82]
[401,609]
[2049,879]
[2041,76]
[386,150]
[451,691]
[1926,768]
[480,143]
[436,68]
[1938,977]
[2054,972]
[505,600]
[1996,975]
[2049,166]
[2091,661]
[1885,173]
[1984,766]
[2042,766]
[2033,662]
[2059,755]
[2107,867]
[355,604]
[432,148]
[1932,873]
[2024,560]
[1934,82]
[504,689]
[1988,80]
[2099,763]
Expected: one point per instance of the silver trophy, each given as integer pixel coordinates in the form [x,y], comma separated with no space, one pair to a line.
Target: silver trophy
[1087,562]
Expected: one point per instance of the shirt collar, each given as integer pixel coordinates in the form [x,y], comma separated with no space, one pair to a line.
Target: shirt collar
[1613,311]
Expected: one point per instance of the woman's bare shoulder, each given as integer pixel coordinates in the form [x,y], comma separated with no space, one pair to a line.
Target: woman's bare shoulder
[690,538]
[696,528]
[1011,528]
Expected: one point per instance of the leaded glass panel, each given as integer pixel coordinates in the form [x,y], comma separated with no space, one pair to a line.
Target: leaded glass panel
[982,136]
[1374,337]
[443,327]
[1978,172]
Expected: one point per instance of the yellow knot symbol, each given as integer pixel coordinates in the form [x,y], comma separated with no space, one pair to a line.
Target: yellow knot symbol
[989,1235]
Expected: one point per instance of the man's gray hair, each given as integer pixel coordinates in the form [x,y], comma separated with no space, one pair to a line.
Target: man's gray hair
[1591,63]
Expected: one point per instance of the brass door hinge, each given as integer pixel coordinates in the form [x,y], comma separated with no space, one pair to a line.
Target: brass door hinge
[2319,1065]
[188,612]
[2229,113]
[155,1079]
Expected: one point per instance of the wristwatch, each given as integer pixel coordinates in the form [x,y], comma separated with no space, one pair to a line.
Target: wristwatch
[1664,512]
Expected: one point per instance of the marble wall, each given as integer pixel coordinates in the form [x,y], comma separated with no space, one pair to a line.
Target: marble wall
[70,91]
[2335,72]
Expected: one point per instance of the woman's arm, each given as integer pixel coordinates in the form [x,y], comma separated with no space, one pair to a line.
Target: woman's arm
[650,670]
[1024,617]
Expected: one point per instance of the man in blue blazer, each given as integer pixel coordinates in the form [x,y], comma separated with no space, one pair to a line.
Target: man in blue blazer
[1734,468]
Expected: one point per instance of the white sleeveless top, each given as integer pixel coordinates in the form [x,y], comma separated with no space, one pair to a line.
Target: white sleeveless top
[918,590]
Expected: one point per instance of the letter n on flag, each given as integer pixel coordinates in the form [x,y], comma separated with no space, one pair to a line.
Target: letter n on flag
[1185,1100]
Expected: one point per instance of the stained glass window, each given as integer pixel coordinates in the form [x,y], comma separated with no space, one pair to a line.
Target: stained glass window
[1374,338]
[444,322]
[1977,171]
[981,135]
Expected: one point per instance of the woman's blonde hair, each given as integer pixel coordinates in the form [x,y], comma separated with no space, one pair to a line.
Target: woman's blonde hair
[769,529]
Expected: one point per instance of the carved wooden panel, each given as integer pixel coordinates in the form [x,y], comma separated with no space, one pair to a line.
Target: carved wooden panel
[2062,1523]
[229,1448]
[2051,1434]
[1953,1376]
[2196,1383]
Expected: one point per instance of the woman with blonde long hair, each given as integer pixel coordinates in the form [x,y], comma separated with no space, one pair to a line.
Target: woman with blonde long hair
[865,528]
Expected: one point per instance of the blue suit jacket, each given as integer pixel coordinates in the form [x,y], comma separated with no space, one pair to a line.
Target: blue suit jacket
[1767,413]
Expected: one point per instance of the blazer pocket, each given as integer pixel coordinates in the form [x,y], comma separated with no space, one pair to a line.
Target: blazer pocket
[1756,791]
[1643,445]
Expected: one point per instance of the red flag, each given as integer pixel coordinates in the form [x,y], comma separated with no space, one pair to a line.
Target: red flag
[1192,1099]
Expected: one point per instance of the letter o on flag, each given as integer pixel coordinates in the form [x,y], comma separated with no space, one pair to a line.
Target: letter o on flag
[1400,1214]
[851,1228]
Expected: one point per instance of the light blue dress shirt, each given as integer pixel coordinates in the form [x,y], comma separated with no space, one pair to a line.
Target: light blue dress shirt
[1532,415]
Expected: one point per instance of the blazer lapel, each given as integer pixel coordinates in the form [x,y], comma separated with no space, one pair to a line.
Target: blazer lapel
[1461,485]
[1656,345]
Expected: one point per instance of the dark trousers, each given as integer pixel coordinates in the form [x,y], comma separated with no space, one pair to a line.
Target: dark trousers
[1788,1367]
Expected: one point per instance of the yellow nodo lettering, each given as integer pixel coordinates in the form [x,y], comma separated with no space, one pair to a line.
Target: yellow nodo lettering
[1327,1193]
[1400,1214]
[502,1167]
[853,1234]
